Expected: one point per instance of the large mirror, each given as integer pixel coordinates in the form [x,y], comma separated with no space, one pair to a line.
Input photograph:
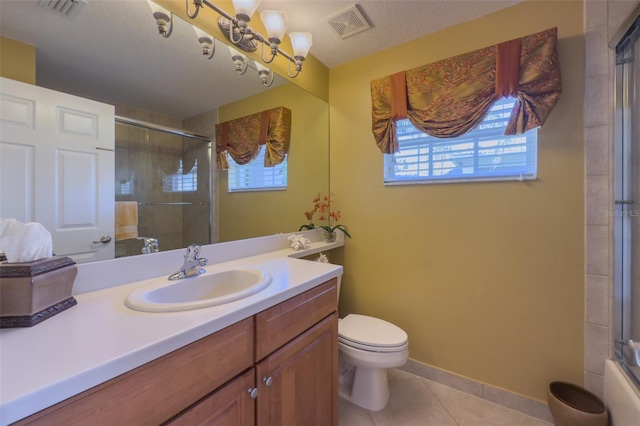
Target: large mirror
[111,51]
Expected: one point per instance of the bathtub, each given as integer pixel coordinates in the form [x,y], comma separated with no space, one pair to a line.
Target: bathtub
[621,397]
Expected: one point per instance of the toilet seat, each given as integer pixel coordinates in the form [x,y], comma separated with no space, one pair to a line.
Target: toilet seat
[371,334]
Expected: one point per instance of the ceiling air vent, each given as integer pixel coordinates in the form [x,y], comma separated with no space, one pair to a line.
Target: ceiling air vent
[67,8]
[348,22]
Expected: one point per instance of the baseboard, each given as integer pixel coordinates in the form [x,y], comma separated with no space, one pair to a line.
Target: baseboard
[529,406]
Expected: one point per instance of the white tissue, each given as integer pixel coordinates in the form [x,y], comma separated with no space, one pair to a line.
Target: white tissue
[298,241]
[24,242]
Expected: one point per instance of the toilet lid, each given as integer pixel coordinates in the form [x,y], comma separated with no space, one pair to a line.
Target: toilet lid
[370,331]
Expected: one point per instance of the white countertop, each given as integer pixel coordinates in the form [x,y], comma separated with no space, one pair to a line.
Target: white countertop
[101,338]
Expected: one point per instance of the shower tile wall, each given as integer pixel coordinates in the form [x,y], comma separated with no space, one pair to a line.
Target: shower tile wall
[602,19]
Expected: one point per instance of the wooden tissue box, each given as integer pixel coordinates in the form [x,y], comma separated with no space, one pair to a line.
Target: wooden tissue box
[32,292]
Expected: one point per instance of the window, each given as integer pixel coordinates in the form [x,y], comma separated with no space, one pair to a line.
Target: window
[253,176]
[483,154]
[180,182]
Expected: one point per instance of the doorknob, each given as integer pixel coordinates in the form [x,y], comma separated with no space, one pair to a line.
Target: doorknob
[104,240]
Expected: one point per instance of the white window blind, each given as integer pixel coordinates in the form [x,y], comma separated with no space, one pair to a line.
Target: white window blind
[254,176]
[180,182]
[483,154]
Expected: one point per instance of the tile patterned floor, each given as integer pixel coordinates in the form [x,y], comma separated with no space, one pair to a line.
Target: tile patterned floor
[416,401]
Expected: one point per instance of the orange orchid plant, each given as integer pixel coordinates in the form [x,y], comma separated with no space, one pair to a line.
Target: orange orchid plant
[324,206]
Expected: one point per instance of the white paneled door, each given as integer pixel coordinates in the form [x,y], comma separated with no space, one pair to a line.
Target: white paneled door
[57,167]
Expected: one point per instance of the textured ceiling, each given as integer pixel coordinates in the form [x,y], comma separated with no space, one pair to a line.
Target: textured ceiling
[393,22]
[112,51]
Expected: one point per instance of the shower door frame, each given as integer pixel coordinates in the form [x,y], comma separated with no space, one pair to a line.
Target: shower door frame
[627,207]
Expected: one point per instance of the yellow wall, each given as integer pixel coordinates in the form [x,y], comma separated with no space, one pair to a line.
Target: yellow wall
[486,278]
[17,60]
[252,214]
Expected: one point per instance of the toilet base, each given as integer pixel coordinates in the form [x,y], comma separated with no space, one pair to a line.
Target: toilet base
[369,389]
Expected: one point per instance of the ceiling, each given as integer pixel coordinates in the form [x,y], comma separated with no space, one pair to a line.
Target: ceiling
[112,51]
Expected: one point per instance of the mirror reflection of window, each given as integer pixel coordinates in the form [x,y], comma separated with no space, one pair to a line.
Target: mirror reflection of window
[254,176]
[125,187]
[181,182]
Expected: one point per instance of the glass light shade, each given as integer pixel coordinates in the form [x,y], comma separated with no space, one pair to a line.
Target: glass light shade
[261,67]
[275,23]
[201,34]
[301,43]
[155,8]
[245,7]
[234,52]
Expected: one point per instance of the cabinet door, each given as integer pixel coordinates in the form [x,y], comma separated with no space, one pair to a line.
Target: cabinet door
[231,405]
[298,383]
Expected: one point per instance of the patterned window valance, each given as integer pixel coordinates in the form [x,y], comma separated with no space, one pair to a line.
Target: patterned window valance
[450,97]
[242,137]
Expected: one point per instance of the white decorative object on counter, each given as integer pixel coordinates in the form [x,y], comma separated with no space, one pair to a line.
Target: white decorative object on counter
[322,258]
[299,242]
[24,242]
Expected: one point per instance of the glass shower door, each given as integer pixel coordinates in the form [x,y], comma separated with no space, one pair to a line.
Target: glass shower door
[627,203]
[168,177]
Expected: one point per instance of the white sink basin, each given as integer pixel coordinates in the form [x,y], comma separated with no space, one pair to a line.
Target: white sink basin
[202,291]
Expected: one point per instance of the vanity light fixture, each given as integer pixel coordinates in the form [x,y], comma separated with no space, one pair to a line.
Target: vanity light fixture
[239,60]
[301,43]
[163,18]
[237,31]
[266,75]
[276,24]
[207,42]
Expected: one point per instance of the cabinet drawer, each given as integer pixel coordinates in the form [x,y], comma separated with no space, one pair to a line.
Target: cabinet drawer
[278,325]
[155,392]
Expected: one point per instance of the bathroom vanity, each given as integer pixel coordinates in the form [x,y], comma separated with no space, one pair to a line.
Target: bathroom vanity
[271,358]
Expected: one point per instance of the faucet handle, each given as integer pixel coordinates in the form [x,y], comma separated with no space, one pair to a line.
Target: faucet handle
[193,250]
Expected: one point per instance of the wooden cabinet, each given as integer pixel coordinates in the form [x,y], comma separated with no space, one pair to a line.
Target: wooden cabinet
[231,405]
[297,383]
[279,367]
[153,393]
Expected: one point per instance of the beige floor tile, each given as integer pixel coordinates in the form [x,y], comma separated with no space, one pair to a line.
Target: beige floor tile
[352,415]
[416,401]
[468,410]
[412,403]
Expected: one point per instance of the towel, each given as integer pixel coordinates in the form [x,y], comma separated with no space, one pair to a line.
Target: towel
[24,242]
[126,220]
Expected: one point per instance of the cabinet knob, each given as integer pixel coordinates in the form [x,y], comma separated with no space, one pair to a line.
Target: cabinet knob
[253,393]
[267,381]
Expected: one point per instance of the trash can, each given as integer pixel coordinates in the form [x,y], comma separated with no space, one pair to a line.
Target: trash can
[572,405]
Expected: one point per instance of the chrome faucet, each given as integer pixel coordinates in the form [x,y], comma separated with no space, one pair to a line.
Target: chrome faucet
[192,264]
[150,245]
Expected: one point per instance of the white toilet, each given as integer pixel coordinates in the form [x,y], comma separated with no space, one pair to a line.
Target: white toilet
[367,348]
